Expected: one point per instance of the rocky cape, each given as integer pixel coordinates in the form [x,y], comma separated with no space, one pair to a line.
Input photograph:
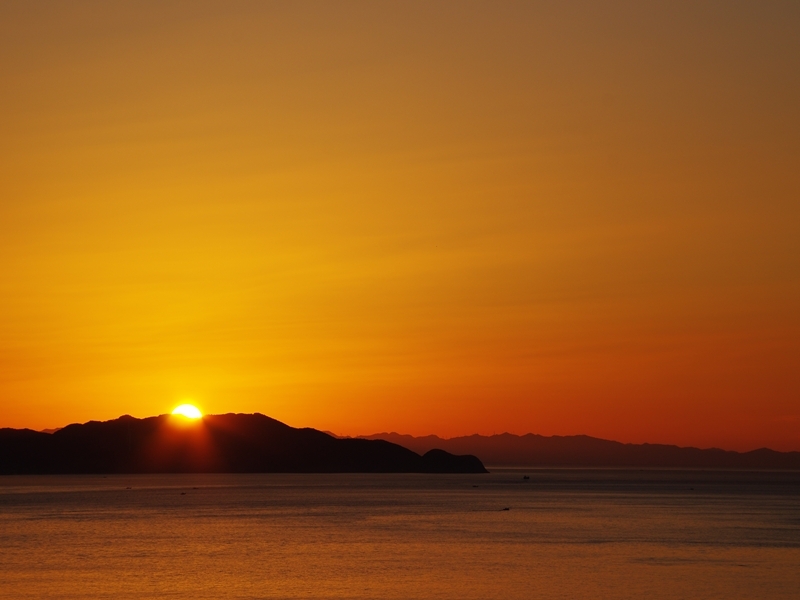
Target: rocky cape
[531,450]
[231,443]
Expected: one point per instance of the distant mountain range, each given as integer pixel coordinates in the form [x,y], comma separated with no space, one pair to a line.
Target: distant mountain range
[232,443]
[507,450]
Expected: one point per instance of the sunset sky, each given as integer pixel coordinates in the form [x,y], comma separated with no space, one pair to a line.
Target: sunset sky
[434,217]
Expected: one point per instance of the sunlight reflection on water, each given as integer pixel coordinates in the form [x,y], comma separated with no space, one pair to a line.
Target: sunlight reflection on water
[616,534]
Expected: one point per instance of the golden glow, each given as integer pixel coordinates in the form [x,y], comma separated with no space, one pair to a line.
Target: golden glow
[423,217]
[188,410]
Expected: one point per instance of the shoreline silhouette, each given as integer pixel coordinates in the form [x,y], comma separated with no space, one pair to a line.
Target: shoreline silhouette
[230,443]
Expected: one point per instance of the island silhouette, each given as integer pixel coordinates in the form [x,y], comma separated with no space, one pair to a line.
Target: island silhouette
[229,443]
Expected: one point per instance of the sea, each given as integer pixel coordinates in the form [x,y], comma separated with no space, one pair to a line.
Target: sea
[513,533]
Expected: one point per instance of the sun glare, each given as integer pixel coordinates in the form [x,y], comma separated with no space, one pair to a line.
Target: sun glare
[188,411]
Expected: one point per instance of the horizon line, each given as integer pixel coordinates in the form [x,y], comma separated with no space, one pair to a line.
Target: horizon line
[51,430]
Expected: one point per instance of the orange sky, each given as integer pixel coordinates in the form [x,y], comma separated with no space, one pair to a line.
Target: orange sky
[423,217]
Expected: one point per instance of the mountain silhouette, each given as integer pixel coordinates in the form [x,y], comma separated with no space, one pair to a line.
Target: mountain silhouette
[508,450]
[230,443]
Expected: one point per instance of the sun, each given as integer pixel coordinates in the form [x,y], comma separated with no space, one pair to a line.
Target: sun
[187,410]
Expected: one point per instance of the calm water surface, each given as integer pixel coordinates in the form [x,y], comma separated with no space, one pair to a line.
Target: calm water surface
[567,534]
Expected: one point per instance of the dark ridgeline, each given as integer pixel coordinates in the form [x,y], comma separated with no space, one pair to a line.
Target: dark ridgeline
[232,443]
[583,451]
